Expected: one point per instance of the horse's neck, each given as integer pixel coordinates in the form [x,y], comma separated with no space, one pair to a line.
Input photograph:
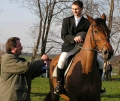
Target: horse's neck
[89,42]
[90,56]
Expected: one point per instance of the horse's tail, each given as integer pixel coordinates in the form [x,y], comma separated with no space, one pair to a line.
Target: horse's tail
[48,97]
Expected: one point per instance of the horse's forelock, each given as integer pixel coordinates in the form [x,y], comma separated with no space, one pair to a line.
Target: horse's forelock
[100,21]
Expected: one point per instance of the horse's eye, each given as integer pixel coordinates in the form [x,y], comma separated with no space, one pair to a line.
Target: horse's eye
[95,32]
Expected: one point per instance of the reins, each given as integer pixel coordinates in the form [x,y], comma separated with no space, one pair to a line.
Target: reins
[87,48]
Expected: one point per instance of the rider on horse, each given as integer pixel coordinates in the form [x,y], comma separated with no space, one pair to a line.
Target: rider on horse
[74,30]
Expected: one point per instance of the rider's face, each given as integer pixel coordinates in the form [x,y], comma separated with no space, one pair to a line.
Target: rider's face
[77,11]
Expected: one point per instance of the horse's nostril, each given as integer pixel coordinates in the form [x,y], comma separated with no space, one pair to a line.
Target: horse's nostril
[106,52]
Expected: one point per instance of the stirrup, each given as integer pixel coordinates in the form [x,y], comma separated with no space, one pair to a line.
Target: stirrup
[58,89]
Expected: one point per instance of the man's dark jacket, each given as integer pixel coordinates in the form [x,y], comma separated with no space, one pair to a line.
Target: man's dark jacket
[69,31]
[16,76]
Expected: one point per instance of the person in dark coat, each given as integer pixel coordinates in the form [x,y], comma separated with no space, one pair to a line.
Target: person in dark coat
[74,30]
[17,73]
[108,70]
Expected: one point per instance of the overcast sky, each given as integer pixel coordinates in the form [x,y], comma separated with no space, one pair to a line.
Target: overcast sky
[15,21]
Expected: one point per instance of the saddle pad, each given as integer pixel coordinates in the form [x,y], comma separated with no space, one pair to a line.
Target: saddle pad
[55,70]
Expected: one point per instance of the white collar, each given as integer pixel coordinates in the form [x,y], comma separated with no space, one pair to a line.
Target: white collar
[78,18]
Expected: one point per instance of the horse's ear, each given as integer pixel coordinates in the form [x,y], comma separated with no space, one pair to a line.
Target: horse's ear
[103,16]
[90,18]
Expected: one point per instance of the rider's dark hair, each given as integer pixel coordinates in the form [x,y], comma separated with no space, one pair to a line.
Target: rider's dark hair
[78,2]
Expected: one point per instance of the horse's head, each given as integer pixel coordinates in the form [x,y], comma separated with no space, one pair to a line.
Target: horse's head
[100,36]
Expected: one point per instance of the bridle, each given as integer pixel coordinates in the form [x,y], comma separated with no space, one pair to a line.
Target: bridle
[95,42]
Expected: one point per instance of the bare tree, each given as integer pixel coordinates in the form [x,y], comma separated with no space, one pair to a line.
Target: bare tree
[2,49]
[112,17]
[51,13]
[47,11]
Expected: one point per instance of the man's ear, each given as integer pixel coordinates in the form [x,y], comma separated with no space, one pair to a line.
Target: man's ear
[12,47]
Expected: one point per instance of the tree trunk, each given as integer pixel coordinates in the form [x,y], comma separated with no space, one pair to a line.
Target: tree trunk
[111,15]
[119,67]
[40,30]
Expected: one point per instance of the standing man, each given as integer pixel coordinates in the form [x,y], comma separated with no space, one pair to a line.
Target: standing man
[17,73]
[108,70]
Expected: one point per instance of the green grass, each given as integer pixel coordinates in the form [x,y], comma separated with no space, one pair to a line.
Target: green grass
[113,91]
[40,88]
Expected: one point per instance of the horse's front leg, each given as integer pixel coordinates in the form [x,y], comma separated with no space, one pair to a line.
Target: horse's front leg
[54,97]
[51,97]
[99,99]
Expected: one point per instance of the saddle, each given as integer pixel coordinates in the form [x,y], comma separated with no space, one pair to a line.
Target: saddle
[68,61]
[66,67]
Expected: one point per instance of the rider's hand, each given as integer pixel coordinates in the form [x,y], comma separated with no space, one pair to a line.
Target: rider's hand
[78,39]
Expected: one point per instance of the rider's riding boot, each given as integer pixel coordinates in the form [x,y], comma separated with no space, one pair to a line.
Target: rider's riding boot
[59,87]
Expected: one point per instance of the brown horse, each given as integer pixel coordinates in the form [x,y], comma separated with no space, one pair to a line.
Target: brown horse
[83,80]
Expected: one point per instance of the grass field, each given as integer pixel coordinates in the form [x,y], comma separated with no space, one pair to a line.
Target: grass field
[40,87]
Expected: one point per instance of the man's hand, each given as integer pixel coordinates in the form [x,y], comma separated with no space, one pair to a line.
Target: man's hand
[44,57]
[78,39]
